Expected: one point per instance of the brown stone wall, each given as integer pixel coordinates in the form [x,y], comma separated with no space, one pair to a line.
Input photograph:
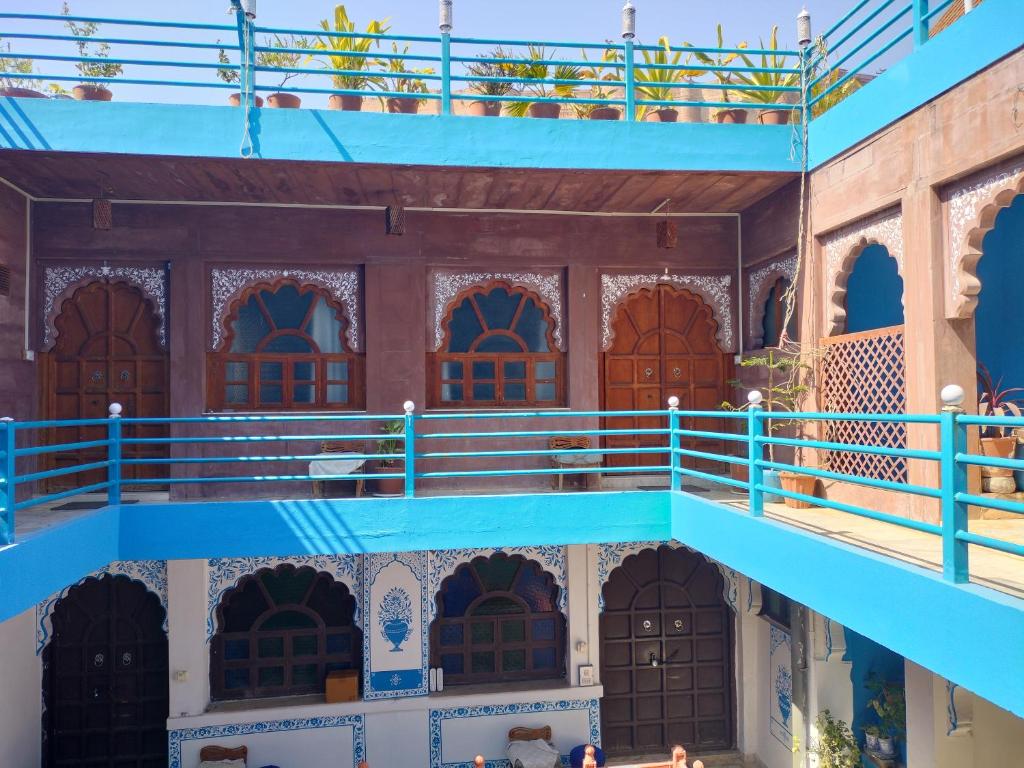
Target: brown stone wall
[17,376]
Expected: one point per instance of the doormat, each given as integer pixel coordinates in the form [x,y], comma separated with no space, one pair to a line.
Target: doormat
[80,506]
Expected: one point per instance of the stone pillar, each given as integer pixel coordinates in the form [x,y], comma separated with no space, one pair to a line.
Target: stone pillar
[583,319]
[396,340]
[188,651]
[579,615]
[920,716]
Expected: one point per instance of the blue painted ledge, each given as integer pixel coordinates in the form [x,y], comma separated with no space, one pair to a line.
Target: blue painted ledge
[366,137]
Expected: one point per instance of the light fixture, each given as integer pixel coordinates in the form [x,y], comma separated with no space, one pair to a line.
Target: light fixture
[102,214]
[667,230]
[394,220]
[628,21]
[445,16]
[803,28]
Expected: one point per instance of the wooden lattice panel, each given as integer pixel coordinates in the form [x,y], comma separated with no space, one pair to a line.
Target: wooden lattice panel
[865,373]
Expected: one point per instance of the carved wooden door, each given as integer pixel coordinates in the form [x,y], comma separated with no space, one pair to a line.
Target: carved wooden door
[667,653]
[663,345]
[107,350]
[105,678]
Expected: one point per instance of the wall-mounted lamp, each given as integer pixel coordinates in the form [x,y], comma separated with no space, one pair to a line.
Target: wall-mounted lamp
[628,21]
[102,214]
[803,28]
[445,16]
[394,220]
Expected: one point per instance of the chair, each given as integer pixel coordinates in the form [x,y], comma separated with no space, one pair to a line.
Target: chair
[571,462]
[336,446]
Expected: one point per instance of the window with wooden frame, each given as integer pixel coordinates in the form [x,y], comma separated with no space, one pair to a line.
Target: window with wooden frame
[498,620]
[498,350]
[280,631]
[775,315]
[285,349]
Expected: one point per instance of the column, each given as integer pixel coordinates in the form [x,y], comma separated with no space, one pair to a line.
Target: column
[188,651]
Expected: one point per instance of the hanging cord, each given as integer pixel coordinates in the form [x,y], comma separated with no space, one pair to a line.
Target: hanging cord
[247,81]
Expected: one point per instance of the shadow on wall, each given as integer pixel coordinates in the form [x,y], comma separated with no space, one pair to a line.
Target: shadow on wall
[874,292]
[868,660]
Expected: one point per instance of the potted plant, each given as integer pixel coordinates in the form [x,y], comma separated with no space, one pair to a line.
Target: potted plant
[389,445]
[836,747]
[395,81]
[229,74]
[349,56]
[721,62]
[490,83]
[763,86]
[287,56]
[535,69]
[871,738]
[660,84]
[17,87]
[890,704]
[90,90]
[609,68]
[997,442]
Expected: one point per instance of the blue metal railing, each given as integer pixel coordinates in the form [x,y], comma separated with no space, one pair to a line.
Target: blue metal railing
[420,449]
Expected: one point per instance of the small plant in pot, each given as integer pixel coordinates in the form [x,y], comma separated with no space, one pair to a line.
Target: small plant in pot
[348,54]
[287,56]
[762,87]
[608,69]
[17,87]
[390,444]
[397,80]
[725,75]
[836,746]
[229,74]
[890,704]
[91,71]
[997,442]
[490,83]
[535,69]
[661,84]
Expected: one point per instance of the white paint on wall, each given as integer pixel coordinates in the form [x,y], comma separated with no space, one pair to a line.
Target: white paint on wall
[921,723]
[188,652]
[20,695]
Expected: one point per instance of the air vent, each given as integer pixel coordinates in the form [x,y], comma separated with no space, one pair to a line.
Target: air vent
[5,280]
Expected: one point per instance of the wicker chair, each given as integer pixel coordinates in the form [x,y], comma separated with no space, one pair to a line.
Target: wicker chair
[568,444]
[340,447]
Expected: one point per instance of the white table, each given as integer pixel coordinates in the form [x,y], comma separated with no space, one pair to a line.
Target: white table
[332,465]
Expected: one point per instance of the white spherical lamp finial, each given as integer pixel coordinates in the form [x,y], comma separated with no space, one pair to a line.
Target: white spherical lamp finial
[952,395]
[754,397]
[114,409]
[673,402]
[409,406]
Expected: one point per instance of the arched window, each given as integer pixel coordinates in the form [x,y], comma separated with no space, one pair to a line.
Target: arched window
[497,620]
[874,291]
[775,315]
[498,349]
[279,632]
[285,349]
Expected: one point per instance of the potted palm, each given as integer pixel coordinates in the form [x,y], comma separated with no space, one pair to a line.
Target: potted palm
[762,87]
[17,87]
[721,61]
[229,74]
[90,90]
[535,68]
[491,82]
[660,83]
[348,54]
[997,442]
[390,444]
[287,56]
[397,81]
[608,69]
[836,747]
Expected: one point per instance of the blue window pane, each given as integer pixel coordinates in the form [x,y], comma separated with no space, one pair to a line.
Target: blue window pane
[463,328]
[543,629]
[451,634]
[483,392]
[339,643]
[304,393]
[451,370]
[545,392]
[452,664]
[498,307]
[544,369]
[515,391]
[534,586]
[532,328]
[337,393]
[461,590]
[451,393]
[500,344]
[271,371]
[271,394]
[326,329]
[337,371]
[304,371]
[543,658]
[249,327]
[287,306]
[235,650]
[483,369]
[236,394]
[288,344]
[236,678]
[236,371]
[515,369]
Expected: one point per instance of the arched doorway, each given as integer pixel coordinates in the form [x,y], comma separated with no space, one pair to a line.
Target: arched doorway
[105,677]
[107,350]
[667,649]
[663,345]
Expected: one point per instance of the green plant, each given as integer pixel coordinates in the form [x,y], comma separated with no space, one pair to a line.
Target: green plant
[831,77]
[658,84]
[720,61]
[890,704]
[11,65]
[994,400]
[90,70]
[392,81]
[492,69]
[288,56]
[535,68]
[836,747]
[391,444]
[608,69]
[228,73]
[349,53]
[756,81]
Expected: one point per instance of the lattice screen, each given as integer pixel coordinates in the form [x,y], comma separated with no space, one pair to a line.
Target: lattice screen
[865,373]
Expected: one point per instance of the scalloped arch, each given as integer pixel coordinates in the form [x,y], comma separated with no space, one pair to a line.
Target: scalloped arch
[762,279]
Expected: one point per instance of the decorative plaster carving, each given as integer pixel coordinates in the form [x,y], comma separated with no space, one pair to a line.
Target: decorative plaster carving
[842,247]
[152,574]
[343,284]
[761,281]
[713,289]
[60,282]
[447,284]
[224,572]
[974,204]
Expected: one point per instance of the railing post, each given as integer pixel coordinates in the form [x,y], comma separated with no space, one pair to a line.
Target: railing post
[8,494]
[628,33]
[410,449]
[920,33]
[755,429]
[953,440]
[674,459]
[114,454]
[445,25]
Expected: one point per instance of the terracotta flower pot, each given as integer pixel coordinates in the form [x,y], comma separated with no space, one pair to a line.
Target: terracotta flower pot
[1000,448]
[388,486]
[484,108]
[86,92]
[662,116]
[283,101]
[731,116]
[548,109]
[606,113]
[235,100]
[21,93]
[403,106]
[774,116]
[795,483]
[346,103]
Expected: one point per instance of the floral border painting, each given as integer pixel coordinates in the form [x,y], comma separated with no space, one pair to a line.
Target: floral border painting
[780,671]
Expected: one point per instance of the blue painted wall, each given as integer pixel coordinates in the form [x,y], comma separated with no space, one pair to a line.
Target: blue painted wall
[999,319]
[868,659]
[874,292]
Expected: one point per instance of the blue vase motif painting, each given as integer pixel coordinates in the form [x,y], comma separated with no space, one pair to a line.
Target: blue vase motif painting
[784,692]
[395,617]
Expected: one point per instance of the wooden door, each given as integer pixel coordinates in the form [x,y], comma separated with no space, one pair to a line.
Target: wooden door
[664,345]
[667,649]
[107,350]
[105,678]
